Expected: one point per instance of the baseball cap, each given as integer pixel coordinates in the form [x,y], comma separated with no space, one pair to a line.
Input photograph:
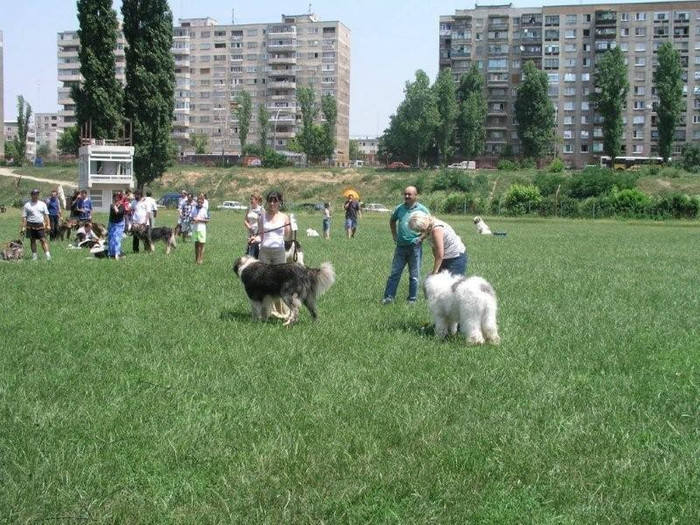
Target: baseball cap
[35,192]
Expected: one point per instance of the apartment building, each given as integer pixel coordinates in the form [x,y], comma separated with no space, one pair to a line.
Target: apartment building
[213,63]
[2,99]
[566,41]
[47,131]
[10,133]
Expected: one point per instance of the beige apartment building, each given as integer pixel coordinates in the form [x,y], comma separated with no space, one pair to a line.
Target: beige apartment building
[10,133]
[2,100]
[566,41]
[214,62]
[47,131]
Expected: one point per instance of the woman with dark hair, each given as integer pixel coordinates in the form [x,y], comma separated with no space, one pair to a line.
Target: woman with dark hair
[115,227]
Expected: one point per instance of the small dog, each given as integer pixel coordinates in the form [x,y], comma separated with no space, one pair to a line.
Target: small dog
[66,227]
[310,232]
[481,227]
[293,253]
[293,283]
[150,235]
[468,303]
[12,251]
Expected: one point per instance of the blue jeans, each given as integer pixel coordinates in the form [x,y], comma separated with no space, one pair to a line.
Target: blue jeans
[403,255]
[456,265]
[114,238]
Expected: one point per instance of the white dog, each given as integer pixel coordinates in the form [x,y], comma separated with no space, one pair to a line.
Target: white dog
[481,227]
[310,232]
[470,303]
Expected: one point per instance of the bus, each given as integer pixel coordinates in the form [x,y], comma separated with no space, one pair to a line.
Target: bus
[629,163]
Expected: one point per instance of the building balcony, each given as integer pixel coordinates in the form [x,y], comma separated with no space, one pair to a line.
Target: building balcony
[282,73]
[182,62]
[282,85]
[282,32]
[281,59]
[282,46]
[283,134]
[181,135]
[289,98]
[605,18]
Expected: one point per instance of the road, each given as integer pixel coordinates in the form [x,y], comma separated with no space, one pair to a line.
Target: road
[5,172]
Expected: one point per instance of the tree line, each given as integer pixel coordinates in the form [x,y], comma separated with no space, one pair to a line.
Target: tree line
[434,123]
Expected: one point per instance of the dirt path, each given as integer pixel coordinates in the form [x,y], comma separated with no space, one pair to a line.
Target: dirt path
[5,172]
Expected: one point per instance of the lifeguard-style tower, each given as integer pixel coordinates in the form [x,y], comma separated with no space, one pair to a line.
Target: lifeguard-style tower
[105,166]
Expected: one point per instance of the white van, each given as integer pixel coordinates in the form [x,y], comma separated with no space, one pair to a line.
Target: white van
[358,163]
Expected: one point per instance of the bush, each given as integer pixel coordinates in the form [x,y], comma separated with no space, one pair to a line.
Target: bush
[556,166]
[670,173]
[690,157]
[548,183]
[272,159]
[630,202]
[594,181]
[528,164]
[521,199]
[679,206]
[507,165]
[459,203]
[454,180]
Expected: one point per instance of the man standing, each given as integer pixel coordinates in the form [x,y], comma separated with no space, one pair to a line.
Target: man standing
[35,222]
[152,208]
[352,211]
[140,216]
[84,207]
[409,249]
[54,206]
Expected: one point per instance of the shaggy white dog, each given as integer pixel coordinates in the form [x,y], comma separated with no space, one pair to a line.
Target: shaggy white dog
[310,232]
[468,303]
[481,227]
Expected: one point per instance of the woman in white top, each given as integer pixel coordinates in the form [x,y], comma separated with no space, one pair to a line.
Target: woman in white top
[448,249]
[252,216]
[273,228]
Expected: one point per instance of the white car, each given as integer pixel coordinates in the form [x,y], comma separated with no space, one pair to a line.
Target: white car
[232,205]
[376,208]
[464,165]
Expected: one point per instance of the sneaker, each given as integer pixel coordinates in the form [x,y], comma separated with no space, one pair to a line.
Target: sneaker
[35,257]
[48,256]
[387,300]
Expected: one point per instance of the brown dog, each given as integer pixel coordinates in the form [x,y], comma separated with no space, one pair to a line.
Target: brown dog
[66,227]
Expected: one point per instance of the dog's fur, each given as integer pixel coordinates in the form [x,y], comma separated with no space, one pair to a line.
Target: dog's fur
[293,253]
[481,227]
[150,235]
[468,303]
[66,227]
[12,251]
[310,232]
[293,283]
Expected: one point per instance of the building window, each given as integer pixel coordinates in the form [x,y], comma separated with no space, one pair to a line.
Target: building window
[568,148]
[640,17]
[570,33]
[640,61]
[624,17]
[571,19]
[570,77]
[661,15]
[568,120]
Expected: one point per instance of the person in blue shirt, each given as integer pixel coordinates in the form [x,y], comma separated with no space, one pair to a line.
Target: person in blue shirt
[84,207]
[408,251]
[53,204]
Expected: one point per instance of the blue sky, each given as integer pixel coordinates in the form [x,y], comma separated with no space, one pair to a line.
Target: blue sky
[390,40]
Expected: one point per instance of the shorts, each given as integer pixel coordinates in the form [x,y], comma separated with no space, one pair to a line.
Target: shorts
[199,236]
[35,230]
[350,224]
[326,225]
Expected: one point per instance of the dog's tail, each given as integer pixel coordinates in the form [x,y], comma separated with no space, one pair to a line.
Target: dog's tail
[324,279]
[172,239]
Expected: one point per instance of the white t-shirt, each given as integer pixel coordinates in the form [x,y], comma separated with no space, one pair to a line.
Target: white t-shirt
[35,211]
[139,211]
[151,203]
[273,231]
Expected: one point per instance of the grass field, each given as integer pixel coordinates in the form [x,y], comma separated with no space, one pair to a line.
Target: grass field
[139,391]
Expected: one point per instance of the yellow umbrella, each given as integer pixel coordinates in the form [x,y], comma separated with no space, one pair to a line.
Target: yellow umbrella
[353,192]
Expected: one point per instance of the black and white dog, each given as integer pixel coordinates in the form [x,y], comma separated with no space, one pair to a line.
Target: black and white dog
[293,283]
[150,235]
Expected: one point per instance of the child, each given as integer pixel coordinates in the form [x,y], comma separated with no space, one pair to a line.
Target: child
[199,217]
[327,220]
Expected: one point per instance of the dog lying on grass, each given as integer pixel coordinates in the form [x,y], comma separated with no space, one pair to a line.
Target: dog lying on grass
[293,283]
[151,235]
[12,251]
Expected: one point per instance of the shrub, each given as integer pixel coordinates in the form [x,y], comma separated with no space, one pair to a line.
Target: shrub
[594,181]
[507,165]
[455,180]
[679,206]
[690,156]
[528,164]
[457,203]
[556,166]
[521,199]
[272,159]
[630,202]
[670,173]
[548,182]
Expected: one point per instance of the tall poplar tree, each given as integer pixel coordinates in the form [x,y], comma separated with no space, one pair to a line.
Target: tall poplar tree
[668,82]
[611,87]
[473,110]
[243,112]
[150,84]
[98,99]
[535,113]
[446,99]
[24,115]
[329,110]
[264,124]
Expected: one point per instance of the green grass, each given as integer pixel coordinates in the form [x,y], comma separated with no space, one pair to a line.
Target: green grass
[141,392]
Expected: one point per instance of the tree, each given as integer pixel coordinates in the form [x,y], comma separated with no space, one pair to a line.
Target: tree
[24,114]
[69,141]
[150,84]
[610,91]
[329,109]
[354,149]
[10,152]
[471,124]
[446,100]
[669,88]
[317,142]
[264,123]
[411,131]
[200,143]
[43,151]
[99,99]
[243,113]
[534,112]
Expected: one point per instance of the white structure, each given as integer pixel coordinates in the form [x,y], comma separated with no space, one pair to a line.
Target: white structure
[105,169]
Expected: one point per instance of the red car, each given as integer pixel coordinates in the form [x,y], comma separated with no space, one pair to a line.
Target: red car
[398,166]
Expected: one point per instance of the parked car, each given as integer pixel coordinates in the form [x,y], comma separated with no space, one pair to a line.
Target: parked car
[376,208]
[310,206]
[169,200]
[398,166]
[464,165]
[232,205]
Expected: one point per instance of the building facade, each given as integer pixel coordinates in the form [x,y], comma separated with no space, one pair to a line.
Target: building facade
[213,63]
[565,42]
[47,132]
[10,130]
[2,99]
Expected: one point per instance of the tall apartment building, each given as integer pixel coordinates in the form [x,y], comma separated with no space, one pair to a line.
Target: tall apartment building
[566,41]
[2,100]
[214,62]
